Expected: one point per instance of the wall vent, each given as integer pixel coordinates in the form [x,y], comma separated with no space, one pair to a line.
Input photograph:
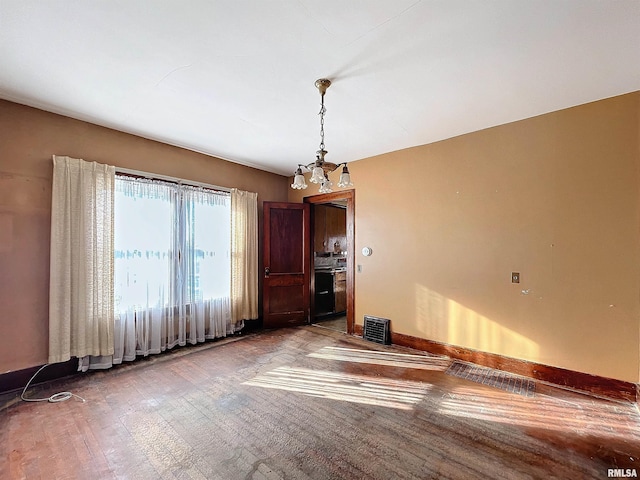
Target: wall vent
[376,330]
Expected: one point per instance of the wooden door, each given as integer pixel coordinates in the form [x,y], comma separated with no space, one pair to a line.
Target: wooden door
[287,264]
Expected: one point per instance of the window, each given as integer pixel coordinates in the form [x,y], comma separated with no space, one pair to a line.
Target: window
[172,264]
[139,266]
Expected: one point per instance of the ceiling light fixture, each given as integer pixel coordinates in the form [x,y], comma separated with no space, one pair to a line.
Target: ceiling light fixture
[320,169]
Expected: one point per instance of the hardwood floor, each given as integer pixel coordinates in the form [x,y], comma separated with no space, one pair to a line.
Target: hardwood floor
[309,403]
[338,324]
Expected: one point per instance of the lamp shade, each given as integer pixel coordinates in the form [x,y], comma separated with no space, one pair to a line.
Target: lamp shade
[327,185]
[345,178]
[298,181]
[317,175]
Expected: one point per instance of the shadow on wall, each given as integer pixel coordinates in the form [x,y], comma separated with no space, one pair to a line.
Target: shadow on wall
[444,320]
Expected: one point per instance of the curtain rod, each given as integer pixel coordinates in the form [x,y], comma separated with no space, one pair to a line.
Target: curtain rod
[154,176]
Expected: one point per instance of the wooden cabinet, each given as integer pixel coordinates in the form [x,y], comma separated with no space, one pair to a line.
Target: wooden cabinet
[336,226]
[319,228]
[330,228]
[340,291]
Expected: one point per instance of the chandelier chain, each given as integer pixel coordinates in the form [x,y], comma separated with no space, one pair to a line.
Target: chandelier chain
[323,110]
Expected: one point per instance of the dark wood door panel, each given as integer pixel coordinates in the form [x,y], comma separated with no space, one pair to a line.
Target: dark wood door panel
[285,232]
[279,280]
[287,299]
[287,264]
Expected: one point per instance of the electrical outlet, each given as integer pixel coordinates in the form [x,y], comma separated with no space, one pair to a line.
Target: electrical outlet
[515,277]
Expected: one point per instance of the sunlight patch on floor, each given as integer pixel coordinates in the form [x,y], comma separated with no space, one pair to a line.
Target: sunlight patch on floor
[362,389]
[591,417]
[392,359]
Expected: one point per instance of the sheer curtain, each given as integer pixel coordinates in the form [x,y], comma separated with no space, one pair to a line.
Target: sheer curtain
[172,268]
[244,258]
[207,261]
[81,307]
[146,266]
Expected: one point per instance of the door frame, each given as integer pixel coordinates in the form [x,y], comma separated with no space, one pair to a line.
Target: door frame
[350,197]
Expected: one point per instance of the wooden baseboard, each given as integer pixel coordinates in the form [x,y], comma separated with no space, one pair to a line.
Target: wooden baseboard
[583,382]
[18,379]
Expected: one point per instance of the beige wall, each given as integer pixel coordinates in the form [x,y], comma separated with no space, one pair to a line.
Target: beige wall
[555,197]
[28,139]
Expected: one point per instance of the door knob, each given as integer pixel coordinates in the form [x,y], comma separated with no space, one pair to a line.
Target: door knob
[267,271]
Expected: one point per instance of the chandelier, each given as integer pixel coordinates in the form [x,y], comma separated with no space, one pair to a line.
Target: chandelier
[320,169]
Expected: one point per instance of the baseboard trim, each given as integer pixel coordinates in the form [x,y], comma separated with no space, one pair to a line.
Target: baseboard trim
[583,382]
[17,380]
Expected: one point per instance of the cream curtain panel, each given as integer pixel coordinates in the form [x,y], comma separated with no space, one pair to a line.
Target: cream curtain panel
[81,295]
[244,255]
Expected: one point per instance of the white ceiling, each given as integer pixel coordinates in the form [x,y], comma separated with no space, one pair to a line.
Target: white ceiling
[235,78]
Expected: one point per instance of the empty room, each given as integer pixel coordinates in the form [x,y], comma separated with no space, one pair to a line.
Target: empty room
[320,240]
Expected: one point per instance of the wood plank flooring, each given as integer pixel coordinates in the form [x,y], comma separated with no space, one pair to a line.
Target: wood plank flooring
[309,403]
[333,323]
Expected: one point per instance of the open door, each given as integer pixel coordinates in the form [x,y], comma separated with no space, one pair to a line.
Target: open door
[287,264]
[348,197]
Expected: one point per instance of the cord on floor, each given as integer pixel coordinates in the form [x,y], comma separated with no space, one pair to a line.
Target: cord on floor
[56,397]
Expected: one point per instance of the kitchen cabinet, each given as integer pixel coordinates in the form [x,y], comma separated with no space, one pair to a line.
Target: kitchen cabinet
[319,228]
[330,228]
[340,291]
[336,227]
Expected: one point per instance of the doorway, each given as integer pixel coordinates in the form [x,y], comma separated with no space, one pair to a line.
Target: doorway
[333,260]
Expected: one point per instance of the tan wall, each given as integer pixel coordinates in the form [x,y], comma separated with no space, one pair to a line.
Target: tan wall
[28,139]
[555,197]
